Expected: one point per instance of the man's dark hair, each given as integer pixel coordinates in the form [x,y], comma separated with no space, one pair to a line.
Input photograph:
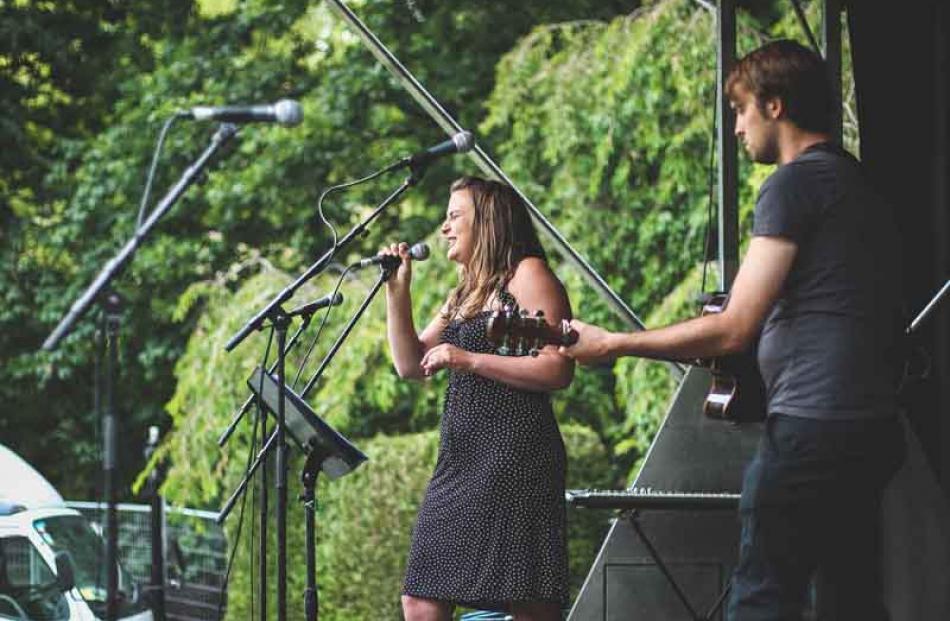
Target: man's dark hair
[793,73]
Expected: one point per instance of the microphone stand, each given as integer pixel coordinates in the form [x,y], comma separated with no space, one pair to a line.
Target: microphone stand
[309,474]
[306,316]
[309,479]
[112,307]
[225,132]
[250,400]
[279,320]
[257,321]
[112,313]
[314,456]
[384,274]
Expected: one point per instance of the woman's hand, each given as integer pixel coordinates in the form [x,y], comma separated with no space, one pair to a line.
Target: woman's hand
[401,278]
[445,356]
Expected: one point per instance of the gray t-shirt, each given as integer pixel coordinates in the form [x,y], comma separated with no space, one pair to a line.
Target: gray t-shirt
[828,350]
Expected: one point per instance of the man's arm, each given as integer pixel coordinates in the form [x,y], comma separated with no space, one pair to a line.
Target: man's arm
[756,288]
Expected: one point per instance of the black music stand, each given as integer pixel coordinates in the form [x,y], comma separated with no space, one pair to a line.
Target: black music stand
[326,449]
[308,431]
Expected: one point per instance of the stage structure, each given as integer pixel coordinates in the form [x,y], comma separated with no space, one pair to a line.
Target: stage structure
[670,552]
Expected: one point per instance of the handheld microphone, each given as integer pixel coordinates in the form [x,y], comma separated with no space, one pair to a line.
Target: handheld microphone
[418,252]
[286,112]
[461,142]
[311,307]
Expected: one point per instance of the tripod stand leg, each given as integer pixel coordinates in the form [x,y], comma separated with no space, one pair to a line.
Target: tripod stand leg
[262,518]
[719,601]
[634,520]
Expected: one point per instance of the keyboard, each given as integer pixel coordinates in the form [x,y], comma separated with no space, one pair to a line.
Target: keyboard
[648,498]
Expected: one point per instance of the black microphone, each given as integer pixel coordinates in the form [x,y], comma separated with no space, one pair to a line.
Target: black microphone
[418,252]
[311,307]
[459,143]
[286,112]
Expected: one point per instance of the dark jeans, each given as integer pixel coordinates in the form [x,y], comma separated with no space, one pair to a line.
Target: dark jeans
[811,503]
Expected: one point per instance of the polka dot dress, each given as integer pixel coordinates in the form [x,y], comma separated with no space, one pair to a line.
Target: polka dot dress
[492,526]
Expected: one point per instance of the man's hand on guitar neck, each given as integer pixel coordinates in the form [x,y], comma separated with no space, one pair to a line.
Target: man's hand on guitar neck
[594,345]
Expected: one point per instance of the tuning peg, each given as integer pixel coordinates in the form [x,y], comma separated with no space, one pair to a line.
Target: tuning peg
[505,348]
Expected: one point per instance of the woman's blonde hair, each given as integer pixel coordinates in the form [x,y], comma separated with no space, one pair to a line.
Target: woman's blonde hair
[503,235]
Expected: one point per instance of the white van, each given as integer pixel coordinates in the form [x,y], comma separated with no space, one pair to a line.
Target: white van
[52,564]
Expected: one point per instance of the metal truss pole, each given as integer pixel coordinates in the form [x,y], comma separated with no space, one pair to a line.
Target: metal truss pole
[831,42]
[728,151]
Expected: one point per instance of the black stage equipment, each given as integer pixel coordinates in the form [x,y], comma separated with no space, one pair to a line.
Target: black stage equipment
[111,305]
[326,449]
[305,312]
[687,507]
[306,429]
[279,321]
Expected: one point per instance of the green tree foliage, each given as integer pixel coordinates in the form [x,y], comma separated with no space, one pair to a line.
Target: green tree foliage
[57,64]
[609,127]
[365,520]
[82,147]
[605,121]
[60,69]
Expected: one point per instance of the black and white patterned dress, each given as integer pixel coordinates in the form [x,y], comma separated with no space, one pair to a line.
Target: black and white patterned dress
[492,526]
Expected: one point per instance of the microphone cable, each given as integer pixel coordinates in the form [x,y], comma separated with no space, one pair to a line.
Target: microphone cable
[151,171]
[336,188]
[316,338]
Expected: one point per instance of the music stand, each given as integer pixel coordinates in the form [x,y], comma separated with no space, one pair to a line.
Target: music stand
[326,449]
[307,430]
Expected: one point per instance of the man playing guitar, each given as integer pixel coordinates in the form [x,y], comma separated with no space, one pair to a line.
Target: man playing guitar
[818,290]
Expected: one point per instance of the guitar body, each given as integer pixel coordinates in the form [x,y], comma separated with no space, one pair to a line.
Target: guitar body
[737,393]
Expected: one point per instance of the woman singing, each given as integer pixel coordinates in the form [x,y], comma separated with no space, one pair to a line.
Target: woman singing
[491,531]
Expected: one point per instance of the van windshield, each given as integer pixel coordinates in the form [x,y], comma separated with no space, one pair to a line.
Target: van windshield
[74,534]
[28,587]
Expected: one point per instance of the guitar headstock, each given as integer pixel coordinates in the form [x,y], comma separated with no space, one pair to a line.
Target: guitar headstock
[517,332]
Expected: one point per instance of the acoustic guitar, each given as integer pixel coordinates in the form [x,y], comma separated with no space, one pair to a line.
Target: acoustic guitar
[736,393]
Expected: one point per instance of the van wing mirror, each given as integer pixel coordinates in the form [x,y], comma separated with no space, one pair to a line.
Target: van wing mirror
[65,571]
